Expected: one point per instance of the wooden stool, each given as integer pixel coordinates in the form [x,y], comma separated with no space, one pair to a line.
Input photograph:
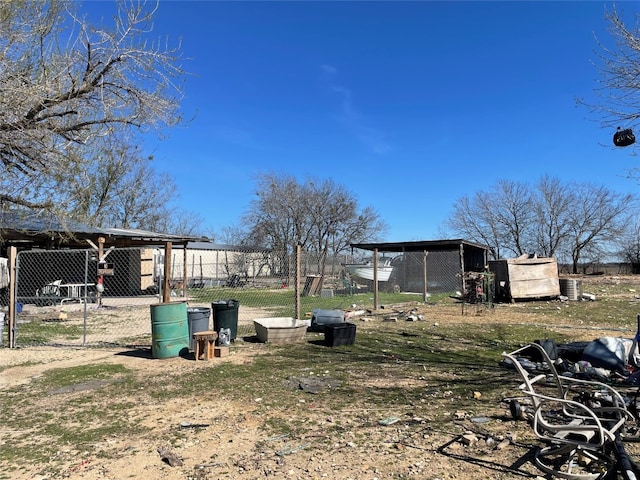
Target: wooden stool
[205,342]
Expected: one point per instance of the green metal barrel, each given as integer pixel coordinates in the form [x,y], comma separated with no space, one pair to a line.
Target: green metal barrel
[169,330]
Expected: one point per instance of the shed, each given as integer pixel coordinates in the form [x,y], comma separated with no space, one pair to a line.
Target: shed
[432,265]
[41,230]
[44,231]
[525,277]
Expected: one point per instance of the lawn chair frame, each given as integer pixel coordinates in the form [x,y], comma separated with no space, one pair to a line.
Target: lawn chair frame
[579,420]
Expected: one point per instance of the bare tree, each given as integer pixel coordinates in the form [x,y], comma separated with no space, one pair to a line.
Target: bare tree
[232,235]
[276,216]
[321,216]
[366,226]
[619,68]
[576,220]
[65,85]
[335,219]
[500,218]
[120,188]
[177,221]
[596,219]
[514,214]
[472,222]
[553,204]
[629,244]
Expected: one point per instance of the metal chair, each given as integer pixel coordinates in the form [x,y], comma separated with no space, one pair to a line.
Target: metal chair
[579,420]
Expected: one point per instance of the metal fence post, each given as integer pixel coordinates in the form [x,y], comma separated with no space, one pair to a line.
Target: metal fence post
[86,296]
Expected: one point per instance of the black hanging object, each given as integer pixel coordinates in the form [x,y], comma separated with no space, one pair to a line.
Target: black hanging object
[624,138]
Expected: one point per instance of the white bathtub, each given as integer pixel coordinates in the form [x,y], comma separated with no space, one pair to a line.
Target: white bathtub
[280,329]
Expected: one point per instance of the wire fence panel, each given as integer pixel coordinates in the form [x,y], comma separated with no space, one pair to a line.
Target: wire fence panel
[65,297]
[61,299]
[407,271]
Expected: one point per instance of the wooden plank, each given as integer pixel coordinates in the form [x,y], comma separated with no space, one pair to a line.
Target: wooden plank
[312,285]
[531,278]
[166,286]
[532,272]
[528,277]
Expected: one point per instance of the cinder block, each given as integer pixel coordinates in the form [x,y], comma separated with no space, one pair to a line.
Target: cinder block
[220,352]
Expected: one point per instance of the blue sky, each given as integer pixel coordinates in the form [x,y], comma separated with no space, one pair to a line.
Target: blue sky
[410,105]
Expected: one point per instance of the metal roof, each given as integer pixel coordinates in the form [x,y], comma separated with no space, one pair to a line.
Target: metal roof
[420,245]
[46,230]
[222,246]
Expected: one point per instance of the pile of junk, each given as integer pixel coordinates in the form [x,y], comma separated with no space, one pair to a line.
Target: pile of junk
[582,400]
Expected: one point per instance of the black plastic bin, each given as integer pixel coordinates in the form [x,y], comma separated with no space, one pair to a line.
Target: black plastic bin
[225,315]
[198,319]
[337,334]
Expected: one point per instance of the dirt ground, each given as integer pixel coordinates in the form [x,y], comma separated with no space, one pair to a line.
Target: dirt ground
[222,440]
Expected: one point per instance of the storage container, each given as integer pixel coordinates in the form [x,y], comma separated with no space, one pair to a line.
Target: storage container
[320,318]
[280,329]
[339,334]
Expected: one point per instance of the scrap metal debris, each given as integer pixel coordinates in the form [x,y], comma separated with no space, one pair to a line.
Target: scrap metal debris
[193,425]
[169,457]
[313,384]
[289,450]
[388,421]
[407,334]
[81,387]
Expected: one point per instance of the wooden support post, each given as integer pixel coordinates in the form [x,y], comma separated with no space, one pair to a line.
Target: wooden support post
[166,286]
[101,241]
[462,282]
[297,282]
[375,279]
[184,271]
[425,294]
[13,253]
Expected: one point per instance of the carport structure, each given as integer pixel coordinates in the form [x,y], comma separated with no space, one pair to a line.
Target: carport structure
[26,231]
[468,257]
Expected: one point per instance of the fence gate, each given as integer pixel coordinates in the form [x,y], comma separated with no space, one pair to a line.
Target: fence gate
[65,297]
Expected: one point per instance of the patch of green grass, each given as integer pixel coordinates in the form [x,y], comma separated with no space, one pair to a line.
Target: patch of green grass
[62,377]
[92,409]
[390,364]
[281,302]
[23,364]
[606,311]
[40,332]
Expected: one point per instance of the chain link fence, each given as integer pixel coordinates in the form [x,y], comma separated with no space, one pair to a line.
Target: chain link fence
[61,299]
[407,271]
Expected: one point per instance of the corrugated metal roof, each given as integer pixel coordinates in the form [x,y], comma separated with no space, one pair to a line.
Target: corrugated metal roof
[41,228]
[221,246]
[419,246]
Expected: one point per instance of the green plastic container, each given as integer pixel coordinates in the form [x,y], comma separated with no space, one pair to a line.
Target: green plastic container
[169,330]
[225,315]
